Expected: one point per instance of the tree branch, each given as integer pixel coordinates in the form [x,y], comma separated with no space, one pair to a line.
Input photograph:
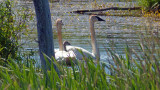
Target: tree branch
[105,9]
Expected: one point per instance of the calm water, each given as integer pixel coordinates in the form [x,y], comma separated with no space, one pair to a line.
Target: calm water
[118,30]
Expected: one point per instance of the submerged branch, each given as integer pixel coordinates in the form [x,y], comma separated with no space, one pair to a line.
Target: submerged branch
[89,12]
[105,9]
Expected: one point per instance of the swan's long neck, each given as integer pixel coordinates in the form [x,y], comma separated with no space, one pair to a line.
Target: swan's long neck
[95,49]
[59,28]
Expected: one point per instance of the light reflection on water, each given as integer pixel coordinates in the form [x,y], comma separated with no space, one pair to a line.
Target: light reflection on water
[121,31]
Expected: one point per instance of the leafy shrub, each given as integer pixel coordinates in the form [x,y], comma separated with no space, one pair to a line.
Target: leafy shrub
[12,25]
[150,5]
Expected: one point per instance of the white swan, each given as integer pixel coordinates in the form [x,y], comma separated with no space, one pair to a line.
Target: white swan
[81,53]
[62,55]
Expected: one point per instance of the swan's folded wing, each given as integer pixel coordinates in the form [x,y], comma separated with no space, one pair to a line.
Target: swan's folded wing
[80,53]
[56,50]
[63,55]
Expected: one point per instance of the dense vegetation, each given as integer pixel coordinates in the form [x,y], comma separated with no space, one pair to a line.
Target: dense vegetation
[150,5]
[12,27]
[8,32]
[134,71]
[139,69]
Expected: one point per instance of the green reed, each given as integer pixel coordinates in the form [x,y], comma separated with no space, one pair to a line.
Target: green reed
[139,69]
[83,76]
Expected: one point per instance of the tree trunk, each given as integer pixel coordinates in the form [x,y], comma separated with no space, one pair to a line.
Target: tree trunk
[45,34]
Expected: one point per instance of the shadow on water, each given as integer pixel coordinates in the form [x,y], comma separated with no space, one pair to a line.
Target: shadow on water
[120,31]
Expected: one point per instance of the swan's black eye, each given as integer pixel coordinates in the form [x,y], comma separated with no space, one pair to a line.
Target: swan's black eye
[99,19]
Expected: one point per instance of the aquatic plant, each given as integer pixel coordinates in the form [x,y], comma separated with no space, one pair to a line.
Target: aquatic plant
[138,69]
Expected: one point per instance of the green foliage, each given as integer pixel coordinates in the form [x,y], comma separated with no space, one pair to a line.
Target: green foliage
[148,4]
[136,70]
[12,25]
[6,33]
[84,76]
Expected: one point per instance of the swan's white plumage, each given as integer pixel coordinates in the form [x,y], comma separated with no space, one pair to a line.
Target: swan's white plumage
[80,53]
[61,54]
[56,50]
